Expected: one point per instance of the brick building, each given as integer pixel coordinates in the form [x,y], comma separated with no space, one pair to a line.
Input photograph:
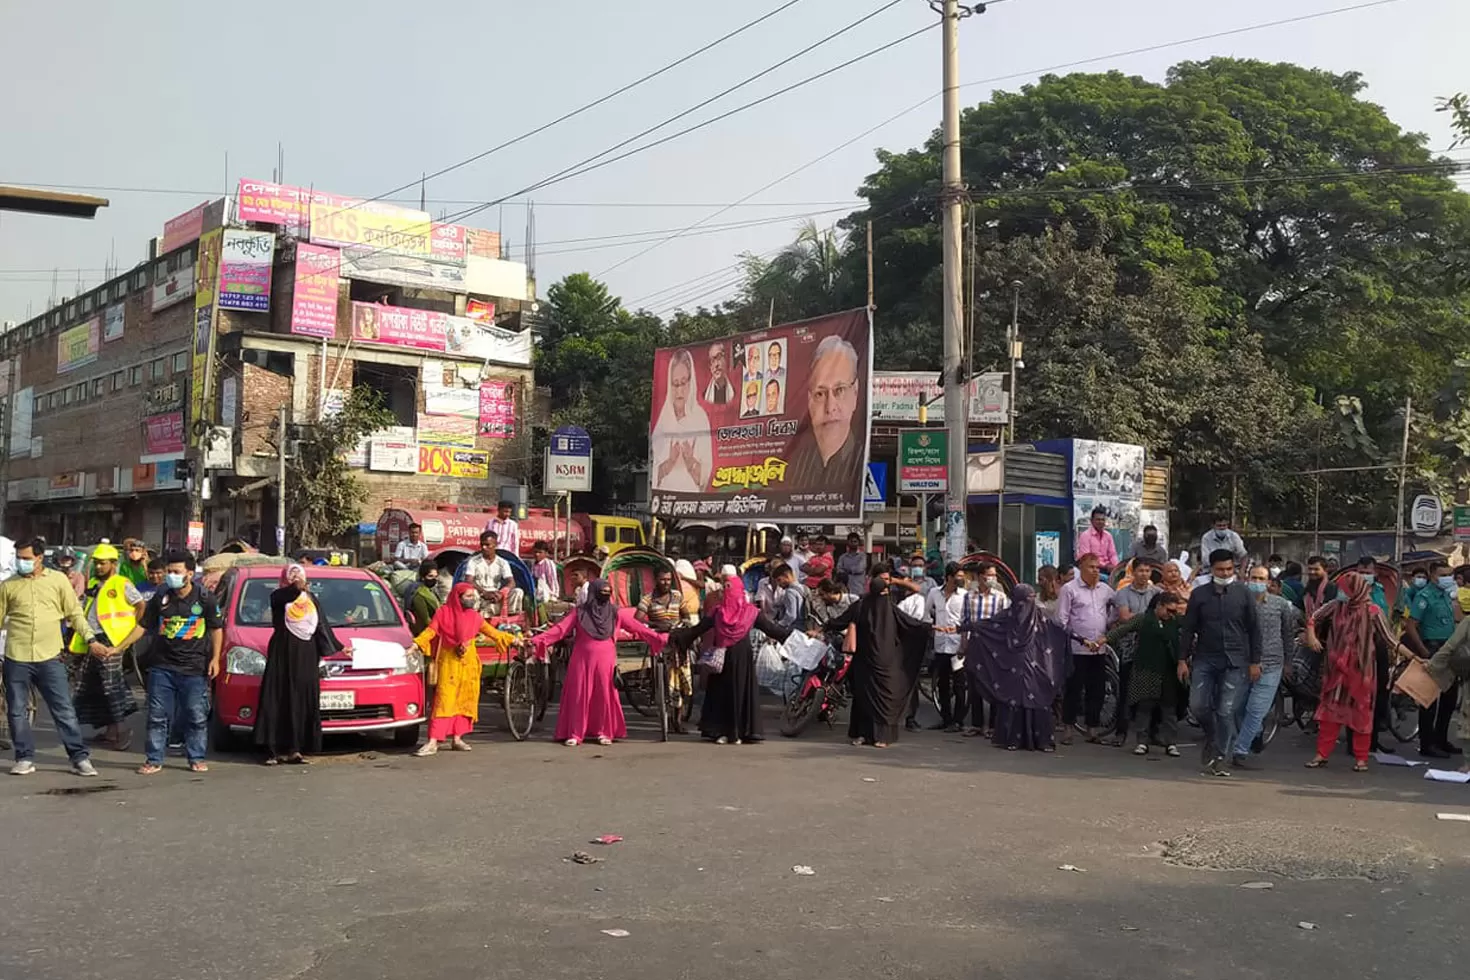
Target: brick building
[239,311]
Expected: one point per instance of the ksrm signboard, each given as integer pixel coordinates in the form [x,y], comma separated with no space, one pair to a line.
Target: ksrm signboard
[569,461]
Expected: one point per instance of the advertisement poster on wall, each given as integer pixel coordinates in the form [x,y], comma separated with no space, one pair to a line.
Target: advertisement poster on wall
[397,326]
[772,424]
[314,296]
[112,322]
[498,409]
[22,408]
[163,435]
[896,396]
[245,269]
[206,279]
[446,430]
[180,231]
[445,391]
[465,464]
[274,204]
[1109,475]
[78,346]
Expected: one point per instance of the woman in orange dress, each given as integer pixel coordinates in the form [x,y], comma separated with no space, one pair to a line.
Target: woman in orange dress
[450,640]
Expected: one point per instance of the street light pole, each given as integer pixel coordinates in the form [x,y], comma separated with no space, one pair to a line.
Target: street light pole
[952,195]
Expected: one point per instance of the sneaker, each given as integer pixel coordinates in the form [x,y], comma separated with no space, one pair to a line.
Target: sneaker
[1217,768]
[1140,749]
[23,768]
[83,767]
[1172,751]
[1241,762]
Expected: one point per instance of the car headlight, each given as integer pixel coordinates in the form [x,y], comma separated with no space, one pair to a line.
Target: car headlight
[244,660]
[413,660]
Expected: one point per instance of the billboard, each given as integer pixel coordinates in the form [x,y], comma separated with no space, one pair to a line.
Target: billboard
[314,298]
[896,397]
[273,204]
[395,269]
[446,430]
[498,409]
[180,231]
[172,287]
[163,435]
[78,346]
[112,322]
[1109,475]
[465,464]
[770,425]
[398,326]
[351,222]
[206,277]
[245,269]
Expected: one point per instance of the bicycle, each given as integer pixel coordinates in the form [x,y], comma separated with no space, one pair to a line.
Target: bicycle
[32,703]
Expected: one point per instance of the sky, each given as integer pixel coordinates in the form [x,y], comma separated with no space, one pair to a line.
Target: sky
[172,101]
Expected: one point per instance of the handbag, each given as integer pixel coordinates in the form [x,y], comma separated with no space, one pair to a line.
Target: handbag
[712,660]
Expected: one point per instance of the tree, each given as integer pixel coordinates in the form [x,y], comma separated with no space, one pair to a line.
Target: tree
[323,498]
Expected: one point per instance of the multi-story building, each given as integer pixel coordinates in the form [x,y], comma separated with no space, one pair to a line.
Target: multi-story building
[125,397]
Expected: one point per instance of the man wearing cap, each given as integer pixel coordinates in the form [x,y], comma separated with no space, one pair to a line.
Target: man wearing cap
[507,531]
[790,557]
[114,605]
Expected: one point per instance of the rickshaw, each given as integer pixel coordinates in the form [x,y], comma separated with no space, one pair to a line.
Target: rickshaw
[753,572]
[588,567]
[631,573]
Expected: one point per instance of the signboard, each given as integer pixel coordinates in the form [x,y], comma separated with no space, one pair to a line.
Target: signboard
[1108,475]
[369,225]
[896,397]
[446,430]
[174,287]
[1426,515]
[219,448]
[923,461]
[498,409]
[397,326]
[78,346]
[482,243]
[393,453]
[569,461]
[1462,523]
[314,295]
[23,404]
[480,311]
[163,435]
[445,393]
[112,322]
[1048,548]
[876,485]
[397,269]
[195,540]
[206,276]
[770,425]
[63,485]
[467,464]
[274,204]
[180,231]
[245,269]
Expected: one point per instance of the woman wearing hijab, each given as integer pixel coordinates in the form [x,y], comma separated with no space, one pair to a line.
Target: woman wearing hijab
[450,641]
[732,695]
[885,667]
[680,446]
[1356,631]
[1153,684]
[1019,659]
[589,702]
[288,720]
[1173,579]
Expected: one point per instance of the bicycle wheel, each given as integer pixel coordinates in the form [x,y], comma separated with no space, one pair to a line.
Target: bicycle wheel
[1403,711]
[518,694]
[639,689]
[1112,697]
[1274,720]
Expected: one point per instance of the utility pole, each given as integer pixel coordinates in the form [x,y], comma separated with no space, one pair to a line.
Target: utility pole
[281,485]
[870,268]
[8,422]
[1398,536]
[952,196]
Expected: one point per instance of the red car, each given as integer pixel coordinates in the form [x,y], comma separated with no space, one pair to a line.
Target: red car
[357,605]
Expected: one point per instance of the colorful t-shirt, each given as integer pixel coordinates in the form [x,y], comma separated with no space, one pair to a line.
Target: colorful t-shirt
[180,628]
[664,613]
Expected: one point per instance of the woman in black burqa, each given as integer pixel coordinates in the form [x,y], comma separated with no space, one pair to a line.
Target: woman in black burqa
[288,721]
[885,668]
[1019,659]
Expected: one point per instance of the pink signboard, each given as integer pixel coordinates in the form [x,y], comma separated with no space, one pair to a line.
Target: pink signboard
[314,304]
[274,204]
[498,409]
[373,323]
[163,434]
[180,231]
[447,243]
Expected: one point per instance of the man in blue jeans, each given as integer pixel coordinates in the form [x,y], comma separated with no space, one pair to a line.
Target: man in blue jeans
[186,633]
[1219,648]
[1276,623]
[33,604]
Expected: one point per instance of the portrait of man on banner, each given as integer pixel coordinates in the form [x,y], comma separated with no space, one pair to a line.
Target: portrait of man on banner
[829,450]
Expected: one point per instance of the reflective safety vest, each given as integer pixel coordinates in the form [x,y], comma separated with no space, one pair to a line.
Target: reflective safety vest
[114,613]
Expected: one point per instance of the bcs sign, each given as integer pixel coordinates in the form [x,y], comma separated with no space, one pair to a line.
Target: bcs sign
[466,464]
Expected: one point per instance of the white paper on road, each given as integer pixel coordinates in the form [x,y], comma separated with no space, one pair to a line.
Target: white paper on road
[804,651]
[1385,759]
[378,655]
[1447,776]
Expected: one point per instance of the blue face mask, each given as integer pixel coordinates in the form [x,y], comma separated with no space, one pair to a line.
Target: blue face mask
[25,566]
[1447,582]
[174,581]
[1256,587]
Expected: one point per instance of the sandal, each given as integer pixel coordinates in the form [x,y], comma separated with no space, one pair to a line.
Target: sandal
[1317,763]
[272,761]
[1360,767]
[199,767]
[1112,742]
[460,745]
[297,759]
[148,769]
[1172,751]
[604,740]
[428,749]
[570,743]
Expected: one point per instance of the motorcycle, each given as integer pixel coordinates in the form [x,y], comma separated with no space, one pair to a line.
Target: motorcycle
[820,694]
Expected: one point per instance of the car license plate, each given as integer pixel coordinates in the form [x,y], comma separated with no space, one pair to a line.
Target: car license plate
[338,700]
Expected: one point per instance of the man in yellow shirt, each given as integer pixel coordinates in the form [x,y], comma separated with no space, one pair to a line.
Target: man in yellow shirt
[32,605]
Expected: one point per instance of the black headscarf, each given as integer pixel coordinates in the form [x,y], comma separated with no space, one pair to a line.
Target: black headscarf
[597,618]
[879,615]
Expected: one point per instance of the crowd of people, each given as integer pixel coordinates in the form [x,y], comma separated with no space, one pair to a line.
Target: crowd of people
[1026,667]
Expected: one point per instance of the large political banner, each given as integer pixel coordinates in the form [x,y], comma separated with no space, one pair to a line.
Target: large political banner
[771,425]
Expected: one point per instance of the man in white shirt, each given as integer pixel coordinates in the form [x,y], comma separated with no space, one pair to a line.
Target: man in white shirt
[945,606]
[790,557]
[780,598]
[491,576]
[1220,537]
[413,550]
[507,531]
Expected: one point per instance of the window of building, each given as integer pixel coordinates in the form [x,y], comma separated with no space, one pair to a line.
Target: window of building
[160,270]
[118,380]
[135,375]
[65,394]
[81,391]
[71,312]
[188,256]
[54,317]
[158,369]
[99,387]
[140,280]
[40,405]
[181,362]
[87,302]
[397,385]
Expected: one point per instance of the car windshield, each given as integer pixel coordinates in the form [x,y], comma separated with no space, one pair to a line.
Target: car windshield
[344,601]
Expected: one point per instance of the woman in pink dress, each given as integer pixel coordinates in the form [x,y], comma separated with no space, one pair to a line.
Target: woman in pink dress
[589,701]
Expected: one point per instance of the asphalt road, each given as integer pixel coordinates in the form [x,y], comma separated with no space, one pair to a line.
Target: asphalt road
[937,858]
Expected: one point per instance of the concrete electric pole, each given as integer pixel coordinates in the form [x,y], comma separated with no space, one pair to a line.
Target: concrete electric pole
[952,196]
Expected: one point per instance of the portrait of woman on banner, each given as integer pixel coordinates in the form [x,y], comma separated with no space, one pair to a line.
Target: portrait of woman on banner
[681,446]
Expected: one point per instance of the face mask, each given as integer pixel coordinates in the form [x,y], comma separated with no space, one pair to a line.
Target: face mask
[25,566]
[989,582]
[1275,570]
[1447,582]
[1420,581]
[469,600]
[174,581]
[917,571]
[1219,580]
[1256,587]
[429,583]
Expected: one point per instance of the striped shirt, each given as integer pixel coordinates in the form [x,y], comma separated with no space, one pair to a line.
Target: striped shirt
[983,605]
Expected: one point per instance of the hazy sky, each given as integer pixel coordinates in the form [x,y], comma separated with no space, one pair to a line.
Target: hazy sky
[367,95]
